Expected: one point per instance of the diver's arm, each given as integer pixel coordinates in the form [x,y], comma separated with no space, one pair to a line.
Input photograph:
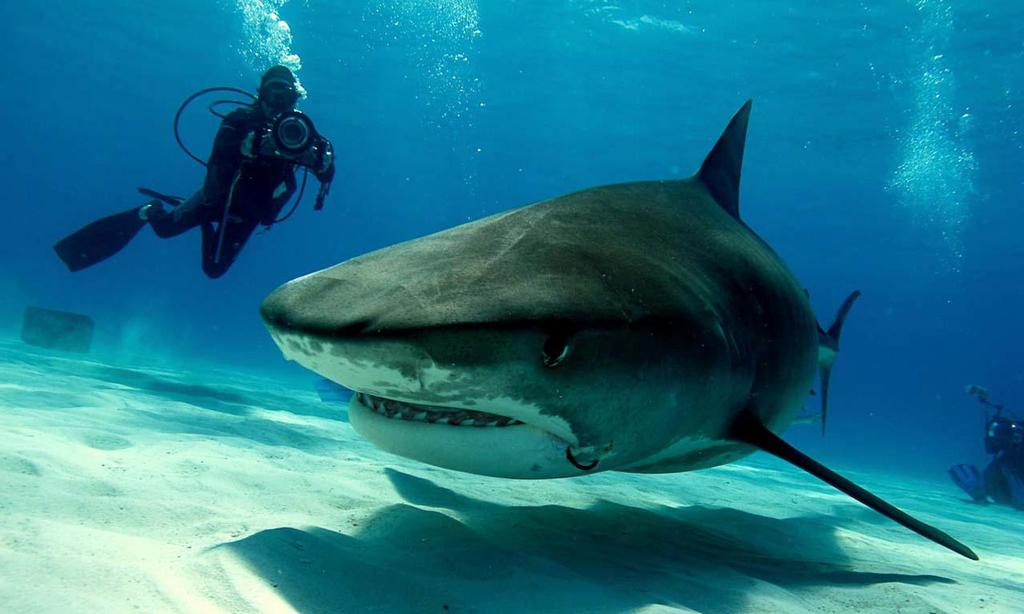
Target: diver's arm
[326,175]
[325,172]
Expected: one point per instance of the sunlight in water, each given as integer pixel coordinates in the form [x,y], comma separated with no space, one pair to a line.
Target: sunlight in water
[268,39]
[627,17]
[934,178]
[440,35]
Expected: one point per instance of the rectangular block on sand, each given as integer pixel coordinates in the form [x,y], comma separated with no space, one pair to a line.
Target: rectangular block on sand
[57,330]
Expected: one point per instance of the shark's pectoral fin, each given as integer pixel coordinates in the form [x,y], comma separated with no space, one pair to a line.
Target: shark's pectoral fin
[720,172]
[748,429]
[828,347]
[824,375]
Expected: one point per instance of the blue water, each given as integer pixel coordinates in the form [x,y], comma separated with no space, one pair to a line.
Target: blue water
[885,153]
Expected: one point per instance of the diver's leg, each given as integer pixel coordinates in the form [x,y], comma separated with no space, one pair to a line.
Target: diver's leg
[219,252]
[184,217]
[995,482]
[1011,483]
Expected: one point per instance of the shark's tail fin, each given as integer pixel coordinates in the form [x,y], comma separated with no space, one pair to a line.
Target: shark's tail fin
[828,347]
[749,430]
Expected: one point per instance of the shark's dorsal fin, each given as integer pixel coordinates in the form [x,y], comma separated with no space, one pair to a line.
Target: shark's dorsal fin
[748,429]
[720,172]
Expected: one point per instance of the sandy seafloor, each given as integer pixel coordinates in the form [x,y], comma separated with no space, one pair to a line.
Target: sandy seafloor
[123,489]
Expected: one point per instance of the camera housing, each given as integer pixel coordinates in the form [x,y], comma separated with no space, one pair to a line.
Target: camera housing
[292,136]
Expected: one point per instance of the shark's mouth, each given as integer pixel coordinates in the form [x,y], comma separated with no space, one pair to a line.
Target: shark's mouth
[465,439]
[412,412]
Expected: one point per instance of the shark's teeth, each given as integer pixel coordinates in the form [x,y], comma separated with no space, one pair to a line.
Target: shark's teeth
[410,412]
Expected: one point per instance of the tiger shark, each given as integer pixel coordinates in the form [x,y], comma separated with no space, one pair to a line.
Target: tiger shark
[638,327]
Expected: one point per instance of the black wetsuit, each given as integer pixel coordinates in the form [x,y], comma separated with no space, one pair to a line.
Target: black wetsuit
[238,195]
[1004,478]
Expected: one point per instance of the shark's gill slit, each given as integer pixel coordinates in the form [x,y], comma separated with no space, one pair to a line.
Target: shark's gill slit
[556,348]
[450,416]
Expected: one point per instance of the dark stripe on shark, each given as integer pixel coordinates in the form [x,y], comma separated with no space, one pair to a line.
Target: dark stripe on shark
[748,429]
[559,330]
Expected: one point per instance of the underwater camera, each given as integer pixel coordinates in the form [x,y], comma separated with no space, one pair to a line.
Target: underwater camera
[289,136]
[292,136]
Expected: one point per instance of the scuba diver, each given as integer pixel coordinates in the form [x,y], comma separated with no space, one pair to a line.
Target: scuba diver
[1003,479]
[250,177]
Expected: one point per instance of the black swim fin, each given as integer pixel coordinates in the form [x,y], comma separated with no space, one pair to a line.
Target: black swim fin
[99,240]
[748,429]
[173,201]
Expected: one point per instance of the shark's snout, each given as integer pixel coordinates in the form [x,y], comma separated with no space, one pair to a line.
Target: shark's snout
[315,305]
[430,383]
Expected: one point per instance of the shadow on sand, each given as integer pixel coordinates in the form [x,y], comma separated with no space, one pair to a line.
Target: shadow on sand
[444,551]
[221,407]
[222,398]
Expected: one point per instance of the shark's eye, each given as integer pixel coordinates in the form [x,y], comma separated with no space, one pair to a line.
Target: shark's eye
[556,348]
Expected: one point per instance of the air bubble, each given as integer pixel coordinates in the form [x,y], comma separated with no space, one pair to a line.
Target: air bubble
[934,179]
[268,38]
[441,37]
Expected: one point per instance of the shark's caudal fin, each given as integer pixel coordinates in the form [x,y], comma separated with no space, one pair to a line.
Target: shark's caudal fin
[828,347]
[720,172]
[748,429]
